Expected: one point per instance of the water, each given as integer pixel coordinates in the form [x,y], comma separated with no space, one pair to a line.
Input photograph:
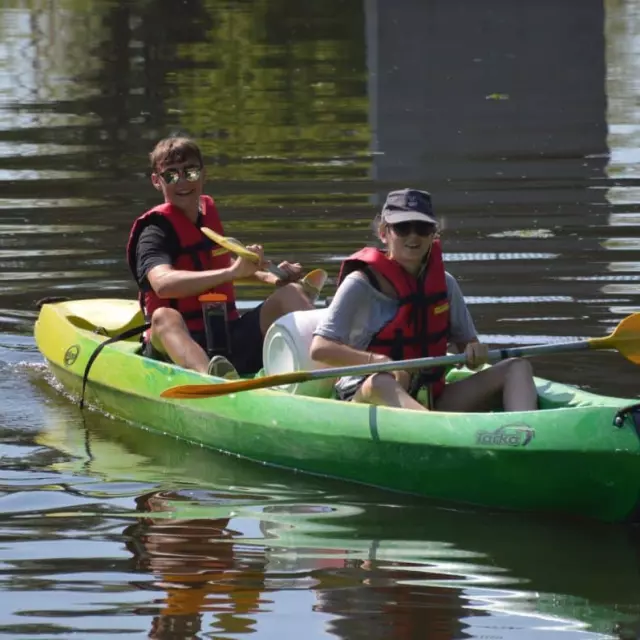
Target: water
[523,123]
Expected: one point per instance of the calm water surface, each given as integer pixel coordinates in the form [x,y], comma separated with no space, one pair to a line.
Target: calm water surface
[522,121]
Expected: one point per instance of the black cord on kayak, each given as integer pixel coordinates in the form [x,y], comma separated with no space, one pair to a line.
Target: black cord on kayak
[632,410]
[50,300]
[125,335]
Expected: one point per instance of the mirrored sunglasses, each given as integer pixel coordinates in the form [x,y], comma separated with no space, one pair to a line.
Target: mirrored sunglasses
[172,176]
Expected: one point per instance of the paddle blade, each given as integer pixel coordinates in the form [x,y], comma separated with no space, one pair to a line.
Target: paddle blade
[196,391]
[626,338]
[313,282]
[231,244]
[190,391]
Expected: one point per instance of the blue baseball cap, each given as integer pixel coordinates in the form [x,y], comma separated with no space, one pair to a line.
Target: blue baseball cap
[406,205]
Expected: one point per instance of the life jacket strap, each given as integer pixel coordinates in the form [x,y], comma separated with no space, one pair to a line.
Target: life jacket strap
[125,335]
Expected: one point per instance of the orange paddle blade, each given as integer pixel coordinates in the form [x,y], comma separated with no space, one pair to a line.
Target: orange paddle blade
[195,391]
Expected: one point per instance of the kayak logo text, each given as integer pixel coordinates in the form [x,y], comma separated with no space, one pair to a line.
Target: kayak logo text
[508,435]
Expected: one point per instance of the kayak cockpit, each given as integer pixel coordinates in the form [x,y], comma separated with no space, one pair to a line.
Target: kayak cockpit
[112,317]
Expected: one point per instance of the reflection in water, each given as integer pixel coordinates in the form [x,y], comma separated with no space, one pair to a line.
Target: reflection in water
[623,46]
[198,567]
[11,230]
[390,605]
[364,594]
[220,544]
[27,174]
[308,112]
[202,566]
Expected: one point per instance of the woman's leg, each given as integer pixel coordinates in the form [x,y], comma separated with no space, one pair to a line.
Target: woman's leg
[384,389]
[509,383]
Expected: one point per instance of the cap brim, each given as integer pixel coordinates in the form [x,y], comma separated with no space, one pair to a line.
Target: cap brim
[393,217]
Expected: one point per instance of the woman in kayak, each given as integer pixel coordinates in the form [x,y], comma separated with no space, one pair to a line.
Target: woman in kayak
[401,303]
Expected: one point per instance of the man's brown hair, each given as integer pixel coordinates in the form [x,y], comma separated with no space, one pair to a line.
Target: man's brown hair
[172,150]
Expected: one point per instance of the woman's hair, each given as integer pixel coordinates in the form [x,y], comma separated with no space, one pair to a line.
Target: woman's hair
[375,224]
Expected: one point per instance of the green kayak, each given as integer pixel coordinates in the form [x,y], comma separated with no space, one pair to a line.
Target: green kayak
[578,455]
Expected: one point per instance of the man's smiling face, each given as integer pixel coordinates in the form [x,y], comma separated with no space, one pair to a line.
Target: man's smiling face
[181,183]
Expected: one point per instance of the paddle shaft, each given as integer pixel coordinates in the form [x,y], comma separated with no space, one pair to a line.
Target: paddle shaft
[494,355]
[279,273]
[625,339]
[272,268]
[235,246]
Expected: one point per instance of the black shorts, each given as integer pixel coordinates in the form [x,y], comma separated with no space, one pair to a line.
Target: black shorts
[246,343]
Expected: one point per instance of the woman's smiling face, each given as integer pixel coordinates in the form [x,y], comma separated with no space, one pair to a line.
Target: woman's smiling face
[408,242]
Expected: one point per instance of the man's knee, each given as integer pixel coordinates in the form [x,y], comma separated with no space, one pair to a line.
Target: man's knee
[165,316]
[165,320]
[292,297]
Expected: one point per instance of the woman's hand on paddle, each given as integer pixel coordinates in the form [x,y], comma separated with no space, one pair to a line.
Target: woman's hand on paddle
[244,268]
[293,271]
[476,354]
[377,358]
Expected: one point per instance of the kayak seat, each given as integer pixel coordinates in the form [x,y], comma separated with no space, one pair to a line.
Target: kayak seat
[104,316]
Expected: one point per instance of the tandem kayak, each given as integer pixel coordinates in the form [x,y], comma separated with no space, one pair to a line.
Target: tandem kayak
[579,454]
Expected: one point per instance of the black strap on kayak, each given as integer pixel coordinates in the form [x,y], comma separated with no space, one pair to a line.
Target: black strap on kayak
[125,335]
[632,410]
[51,300]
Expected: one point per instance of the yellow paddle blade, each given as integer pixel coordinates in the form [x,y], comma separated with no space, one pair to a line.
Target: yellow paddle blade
[625,338]
[235,246]
[313,282]
[231,244]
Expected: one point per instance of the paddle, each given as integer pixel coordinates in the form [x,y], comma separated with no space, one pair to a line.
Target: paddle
[312,283]
[625,338]
[235,246]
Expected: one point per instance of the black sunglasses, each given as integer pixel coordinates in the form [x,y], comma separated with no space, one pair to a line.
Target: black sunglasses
[423,229]
[191,174]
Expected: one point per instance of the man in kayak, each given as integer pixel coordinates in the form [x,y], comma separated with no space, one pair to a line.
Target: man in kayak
[173,263]
[401,303]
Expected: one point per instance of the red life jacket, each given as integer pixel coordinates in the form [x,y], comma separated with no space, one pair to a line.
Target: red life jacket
[420,327]
[196,253]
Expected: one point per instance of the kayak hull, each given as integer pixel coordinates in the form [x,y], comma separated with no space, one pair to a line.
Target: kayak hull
[569,458]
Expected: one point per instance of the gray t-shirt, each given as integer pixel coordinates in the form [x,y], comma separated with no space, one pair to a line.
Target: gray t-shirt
[358,311]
